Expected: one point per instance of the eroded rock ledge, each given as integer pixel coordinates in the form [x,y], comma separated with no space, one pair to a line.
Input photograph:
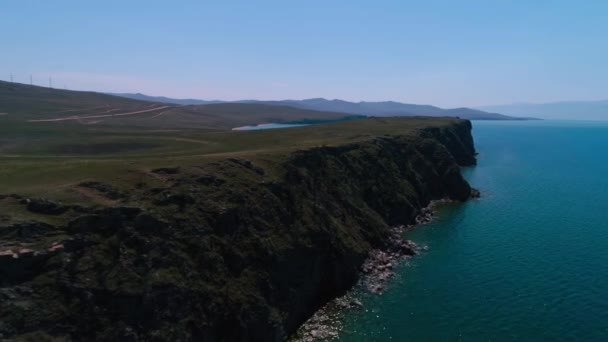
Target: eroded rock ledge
[229,251]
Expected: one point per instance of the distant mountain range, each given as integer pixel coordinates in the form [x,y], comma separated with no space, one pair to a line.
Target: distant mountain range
[387,108]
[588,110]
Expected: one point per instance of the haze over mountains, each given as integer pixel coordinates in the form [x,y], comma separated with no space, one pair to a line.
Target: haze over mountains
[580,110]
[385,108]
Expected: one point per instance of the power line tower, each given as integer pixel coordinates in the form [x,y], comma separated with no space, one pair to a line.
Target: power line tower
[50,82]
[31,81]
[11,77]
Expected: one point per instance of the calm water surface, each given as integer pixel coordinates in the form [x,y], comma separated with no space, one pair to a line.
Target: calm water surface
[266,126]
[527,262]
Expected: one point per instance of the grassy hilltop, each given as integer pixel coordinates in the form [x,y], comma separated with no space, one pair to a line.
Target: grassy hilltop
[47,158]
[34,102]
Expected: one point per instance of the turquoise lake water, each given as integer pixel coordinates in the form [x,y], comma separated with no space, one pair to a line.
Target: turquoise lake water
[266,126]
[526,262]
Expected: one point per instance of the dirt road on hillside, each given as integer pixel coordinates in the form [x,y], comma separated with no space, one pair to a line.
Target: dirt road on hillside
[100,116]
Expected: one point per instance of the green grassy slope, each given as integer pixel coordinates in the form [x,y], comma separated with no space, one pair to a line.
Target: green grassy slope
[42,157]
[22,101]
[49,157]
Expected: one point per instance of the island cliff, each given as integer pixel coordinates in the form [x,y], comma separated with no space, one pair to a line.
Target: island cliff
[232,250]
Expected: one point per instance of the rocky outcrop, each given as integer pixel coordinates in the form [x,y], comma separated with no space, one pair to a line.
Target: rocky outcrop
[105,189]
[232,251]
[43,206]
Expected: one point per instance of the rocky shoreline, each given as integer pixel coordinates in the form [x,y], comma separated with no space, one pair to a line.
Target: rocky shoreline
[376,272]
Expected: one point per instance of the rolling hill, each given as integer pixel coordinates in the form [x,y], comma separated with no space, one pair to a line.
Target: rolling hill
[26,102]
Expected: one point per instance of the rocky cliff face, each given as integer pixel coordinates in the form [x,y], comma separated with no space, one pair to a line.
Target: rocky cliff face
[228,251]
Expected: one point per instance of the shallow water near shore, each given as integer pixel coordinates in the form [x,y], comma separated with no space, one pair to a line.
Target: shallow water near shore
[528,261]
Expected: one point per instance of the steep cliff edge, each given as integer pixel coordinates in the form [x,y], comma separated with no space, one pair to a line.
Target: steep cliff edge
[227,251]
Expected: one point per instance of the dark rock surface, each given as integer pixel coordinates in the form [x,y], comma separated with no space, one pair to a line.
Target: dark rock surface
[44,206]
[166,170]
[106,189]
[475,193]
[25,231]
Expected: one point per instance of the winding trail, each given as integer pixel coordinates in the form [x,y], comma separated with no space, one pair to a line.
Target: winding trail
[99,116]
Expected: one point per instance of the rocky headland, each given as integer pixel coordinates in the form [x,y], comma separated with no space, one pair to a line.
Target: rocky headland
[232,250]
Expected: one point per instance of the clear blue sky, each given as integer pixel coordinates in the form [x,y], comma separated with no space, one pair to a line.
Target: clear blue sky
[447,53]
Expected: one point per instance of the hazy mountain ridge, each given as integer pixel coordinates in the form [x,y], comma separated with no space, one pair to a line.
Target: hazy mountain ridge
[383,108]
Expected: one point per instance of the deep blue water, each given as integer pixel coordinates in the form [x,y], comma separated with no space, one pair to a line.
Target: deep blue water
[267,126]
[527,262]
